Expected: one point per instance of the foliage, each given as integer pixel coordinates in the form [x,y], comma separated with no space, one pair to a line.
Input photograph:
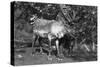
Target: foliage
[82,19]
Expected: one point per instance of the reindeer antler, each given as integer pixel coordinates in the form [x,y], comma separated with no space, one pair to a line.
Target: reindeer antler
[68,14]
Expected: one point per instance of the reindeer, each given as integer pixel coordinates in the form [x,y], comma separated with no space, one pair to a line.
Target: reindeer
[50,29]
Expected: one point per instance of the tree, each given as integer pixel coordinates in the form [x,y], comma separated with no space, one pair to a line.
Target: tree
[81,19]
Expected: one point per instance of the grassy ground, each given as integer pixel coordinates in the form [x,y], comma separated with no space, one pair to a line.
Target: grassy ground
[24,57]
[82,56]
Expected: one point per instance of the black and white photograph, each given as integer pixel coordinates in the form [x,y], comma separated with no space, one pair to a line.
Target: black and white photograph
[52,33]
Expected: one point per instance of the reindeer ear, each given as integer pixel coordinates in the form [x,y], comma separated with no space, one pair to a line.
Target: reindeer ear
[60,18]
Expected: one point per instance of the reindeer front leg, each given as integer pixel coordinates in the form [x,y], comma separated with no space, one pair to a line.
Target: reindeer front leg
[57,46]
[58,50]
[35,37]
[33,42]
[49,37]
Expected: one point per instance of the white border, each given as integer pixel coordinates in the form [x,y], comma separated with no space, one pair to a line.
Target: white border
[5,32]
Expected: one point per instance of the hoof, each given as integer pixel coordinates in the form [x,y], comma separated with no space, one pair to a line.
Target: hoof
[32,54]
[59,59]
[49,58]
